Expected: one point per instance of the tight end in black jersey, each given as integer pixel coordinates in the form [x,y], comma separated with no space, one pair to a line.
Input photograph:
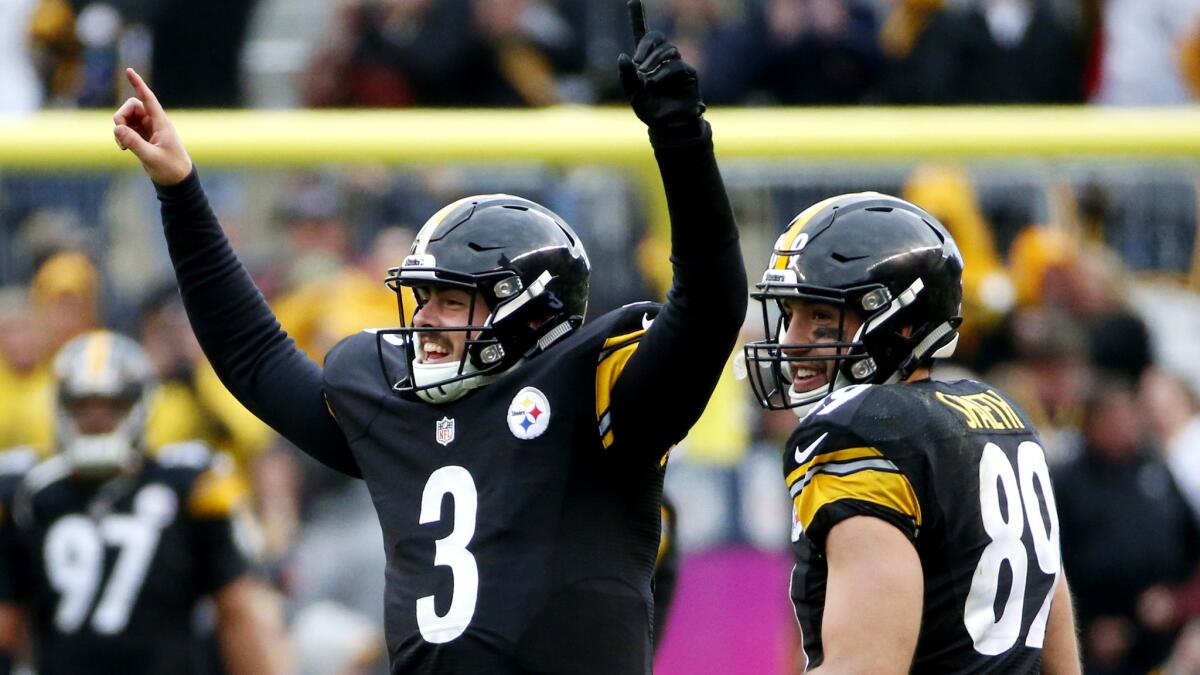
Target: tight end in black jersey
[960,470]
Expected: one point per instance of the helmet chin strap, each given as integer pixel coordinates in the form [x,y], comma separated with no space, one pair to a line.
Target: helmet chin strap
[805,401]
[423,373]
[451,391]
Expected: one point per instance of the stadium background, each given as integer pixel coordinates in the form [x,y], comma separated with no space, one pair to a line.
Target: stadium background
[1078,223]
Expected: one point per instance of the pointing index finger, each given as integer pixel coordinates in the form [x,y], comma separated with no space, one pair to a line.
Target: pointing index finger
[153,107]
[637,19]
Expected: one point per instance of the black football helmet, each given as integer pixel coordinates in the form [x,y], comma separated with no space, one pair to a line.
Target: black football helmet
[885,258]
[517,257]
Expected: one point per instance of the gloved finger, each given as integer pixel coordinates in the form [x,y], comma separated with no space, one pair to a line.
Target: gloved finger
[671,73]
[637,19]
[649,42]
[631,80]
[659,58]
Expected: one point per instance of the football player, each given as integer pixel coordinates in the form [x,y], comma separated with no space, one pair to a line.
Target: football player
[924,526]
[514,454]
[109,550]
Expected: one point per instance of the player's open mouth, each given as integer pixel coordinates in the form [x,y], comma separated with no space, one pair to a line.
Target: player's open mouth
[806,378]
[433,351]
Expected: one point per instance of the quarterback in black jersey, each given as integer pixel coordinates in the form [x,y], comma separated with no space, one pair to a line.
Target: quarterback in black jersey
[109,550]
[924,526]
[514,454]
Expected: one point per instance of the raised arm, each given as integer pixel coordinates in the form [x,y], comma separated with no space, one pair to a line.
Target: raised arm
[667,382]
[253,356]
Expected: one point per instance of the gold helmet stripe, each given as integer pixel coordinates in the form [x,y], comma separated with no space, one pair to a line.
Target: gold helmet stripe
[431,225]
[788,241]
[97,357]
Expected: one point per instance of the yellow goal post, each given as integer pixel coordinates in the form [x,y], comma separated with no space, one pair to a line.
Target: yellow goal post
[75,140]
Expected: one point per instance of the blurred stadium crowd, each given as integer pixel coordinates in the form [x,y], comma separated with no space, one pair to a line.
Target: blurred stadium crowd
[66,53]
[1081,278]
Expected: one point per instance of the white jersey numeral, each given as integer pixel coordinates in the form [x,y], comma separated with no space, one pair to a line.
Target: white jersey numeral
[74,557]
[990,633]
[451,552]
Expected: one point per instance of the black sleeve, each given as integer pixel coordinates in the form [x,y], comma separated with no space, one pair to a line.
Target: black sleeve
[221,558]
[11,569]
[253,356]
[668,380]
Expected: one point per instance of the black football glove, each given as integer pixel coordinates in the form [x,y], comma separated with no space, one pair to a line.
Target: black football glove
[662,89]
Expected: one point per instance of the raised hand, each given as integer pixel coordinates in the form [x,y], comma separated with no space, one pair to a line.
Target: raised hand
[662,89]
[141,126]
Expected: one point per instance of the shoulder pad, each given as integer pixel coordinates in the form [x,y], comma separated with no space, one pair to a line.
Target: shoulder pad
[218,491]
[17,461]
[356,356]
[47,473]
[185,455]
[839,407]
[629,322]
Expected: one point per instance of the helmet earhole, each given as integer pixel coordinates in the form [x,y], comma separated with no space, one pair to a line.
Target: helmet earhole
[863,369]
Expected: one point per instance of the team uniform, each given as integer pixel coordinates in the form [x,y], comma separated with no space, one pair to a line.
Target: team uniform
[666,570]
[111,572]
[485,555]
[960,470]
[520,496]
[861,294]
[14,463]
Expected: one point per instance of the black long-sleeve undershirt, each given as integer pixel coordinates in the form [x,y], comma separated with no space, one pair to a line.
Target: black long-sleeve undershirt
[253,356]
[683,352]
[673,372]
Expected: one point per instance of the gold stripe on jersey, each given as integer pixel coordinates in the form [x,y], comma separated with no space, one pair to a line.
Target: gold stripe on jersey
[985,410]
[620,340]
[837,456]
[888,489]
[216,494]
[664,537]
[613,358]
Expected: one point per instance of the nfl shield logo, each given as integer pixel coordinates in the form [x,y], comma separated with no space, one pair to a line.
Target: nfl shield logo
[445,431]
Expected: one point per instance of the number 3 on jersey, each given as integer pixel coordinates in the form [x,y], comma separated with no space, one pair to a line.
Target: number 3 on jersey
[451,552]
[994,634]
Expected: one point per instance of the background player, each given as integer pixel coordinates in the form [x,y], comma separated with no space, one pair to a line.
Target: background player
[924,526]
[110,550]
[514,454]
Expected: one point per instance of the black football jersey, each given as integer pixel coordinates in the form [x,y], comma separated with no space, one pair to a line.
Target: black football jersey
[960,470]
[14,464]
[521,535]
[111,573]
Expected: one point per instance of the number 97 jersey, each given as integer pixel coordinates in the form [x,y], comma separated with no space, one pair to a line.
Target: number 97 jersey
[960,470]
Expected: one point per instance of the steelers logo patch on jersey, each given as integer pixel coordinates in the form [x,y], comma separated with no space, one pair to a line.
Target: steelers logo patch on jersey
[528,414]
